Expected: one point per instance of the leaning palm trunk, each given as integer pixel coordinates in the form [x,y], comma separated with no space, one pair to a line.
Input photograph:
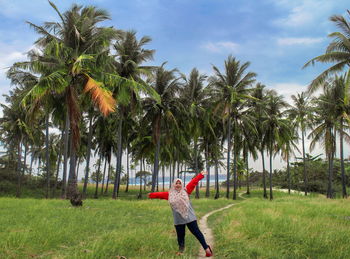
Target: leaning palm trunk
[31,164]
[104,175]
[47,157]
[304,162]
[343,179]
[271,195]
[264,175]
[228,158]
[87,168]
[163,176]
[108,175]
[65,157]
[119,161]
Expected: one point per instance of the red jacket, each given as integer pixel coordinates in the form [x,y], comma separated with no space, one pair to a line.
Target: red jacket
[189,188]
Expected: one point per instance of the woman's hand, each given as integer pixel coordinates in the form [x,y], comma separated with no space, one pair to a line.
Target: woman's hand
[204,172]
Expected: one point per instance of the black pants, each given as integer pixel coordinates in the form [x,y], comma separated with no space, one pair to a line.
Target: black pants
[193,227]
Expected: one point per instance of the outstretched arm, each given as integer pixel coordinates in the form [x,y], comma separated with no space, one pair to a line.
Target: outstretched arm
[192,184]
[158,195]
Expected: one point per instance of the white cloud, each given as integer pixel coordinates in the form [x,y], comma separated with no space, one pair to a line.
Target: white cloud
[296,41]
[303,13]
[221,46]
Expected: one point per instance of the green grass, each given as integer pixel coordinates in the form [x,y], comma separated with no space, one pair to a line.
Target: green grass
[287,227]
[103,228]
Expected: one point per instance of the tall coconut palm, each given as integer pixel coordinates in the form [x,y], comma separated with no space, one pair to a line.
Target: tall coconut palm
[69,46]
[130,54]
[258,108]
[301,113]
[232,88]
[165,83]
[277,129]
[340,91]
[193,96]
[324,132]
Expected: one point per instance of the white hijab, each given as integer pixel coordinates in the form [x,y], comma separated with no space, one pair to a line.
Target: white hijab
[179,200]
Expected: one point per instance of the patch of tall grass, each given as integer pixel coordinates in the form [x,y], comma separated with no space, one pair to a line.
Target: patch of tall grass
[288,227]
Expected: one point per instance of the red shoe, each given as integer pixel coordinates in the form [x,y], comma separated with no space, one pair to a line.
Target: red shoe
[209,254]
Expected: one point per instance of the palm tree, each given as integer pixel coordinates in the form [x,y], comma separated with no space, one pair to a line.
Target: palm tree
[258,109]
[192,94]
[68,47]
[324,131]
[276,127]
[232,88]
[342,111]
[130,55]
[165,84]
[301,114]
[338,52]
[288,146]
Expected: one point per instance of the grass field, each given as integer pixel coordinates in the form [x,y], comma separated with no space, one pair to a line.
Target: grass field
[103,228]
[287,227]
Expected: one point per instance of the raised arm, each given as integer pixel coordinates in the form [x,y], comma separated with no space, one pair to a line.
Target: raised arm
[158,195]
[192,184]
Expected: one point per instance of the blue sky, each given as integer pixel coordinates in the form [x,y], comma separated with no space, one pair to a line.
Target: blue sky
[277,36]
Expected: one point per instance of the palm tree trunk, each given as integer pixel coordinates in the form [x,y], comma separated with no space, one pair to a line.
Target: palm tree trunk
[163,174]
[88,154]
[217,193]
[264,175]
[72,181]
[58,164]
[288,173]
[196,166]
[228,158]
[127,171]
[97,176]
[342,167]
[19,174]
[304,162]
[65,157]
[119,161]
[156,164]
[247,166]
[25,157]
[31,164]
[47,157]
[104,175]
[271,195]
[330,176]
[109,173]
[207,192]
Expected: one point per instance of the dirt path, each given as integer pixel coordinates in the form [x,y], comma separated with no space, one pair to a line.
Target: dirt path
[208,234]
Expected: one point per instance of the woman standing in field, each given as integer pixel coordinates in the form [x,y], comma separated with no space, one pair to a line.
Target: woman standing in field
[183,212]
